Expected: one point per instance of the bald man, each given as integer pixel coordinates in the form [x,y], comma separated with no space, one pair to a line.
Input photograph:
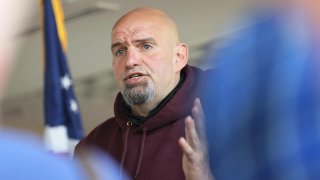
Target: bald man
[157,92]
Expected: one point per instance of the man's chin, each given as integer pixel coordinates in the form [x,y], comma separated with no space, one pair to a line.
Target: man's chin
[141,85]
[136,90]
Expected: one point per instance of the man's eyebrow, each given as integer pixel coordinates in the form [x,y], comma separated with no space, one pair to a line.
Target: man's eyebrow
[150,40]
[144,40]
[115,45]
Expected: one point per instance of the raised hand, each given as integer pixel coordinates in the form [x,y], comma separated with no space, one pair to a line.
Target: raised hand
[194,146]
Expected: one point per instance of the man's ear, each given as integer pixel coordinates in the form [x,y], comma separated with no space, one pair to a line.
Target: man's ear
[182,55]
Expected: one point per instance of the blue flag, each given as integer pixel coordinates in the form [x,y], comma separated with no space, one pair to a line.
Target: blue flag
[63,127]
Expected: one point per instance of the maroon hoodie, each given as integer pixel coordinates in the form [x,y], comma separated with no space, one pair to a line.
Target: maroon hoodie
[151,150]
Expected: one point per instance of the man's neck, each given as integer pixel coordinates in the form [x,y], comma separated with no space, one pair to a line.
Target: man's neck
[144,109]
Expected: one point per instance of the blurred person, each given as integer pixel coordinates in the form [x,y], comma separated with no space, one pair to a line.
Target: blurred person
[157,96]
[22,155]
[262,102]
[19,149]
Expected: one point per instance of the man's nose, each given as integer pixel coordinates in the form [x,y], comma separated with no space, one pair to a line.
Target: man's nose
[132,58]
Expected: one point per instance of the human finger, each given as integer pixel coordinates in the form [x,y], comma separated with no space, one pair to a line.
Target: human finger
[191,133]
[186,148]
[198,115]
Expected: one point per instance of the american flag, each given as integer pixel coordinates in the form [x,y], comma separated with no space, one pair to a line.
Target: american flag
[63,126]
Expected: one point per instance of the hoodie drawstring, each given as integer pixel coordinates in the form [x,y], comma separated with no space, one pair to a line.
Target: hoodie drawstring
[141,152]
[125,147]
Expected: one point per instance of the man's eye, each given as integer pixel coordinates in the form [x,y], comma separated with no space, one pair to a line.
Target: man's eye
[147,46]
[120,52]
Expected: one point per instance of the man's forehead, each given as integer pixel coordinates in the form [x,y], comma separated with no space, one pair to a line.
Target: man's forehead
[132,33]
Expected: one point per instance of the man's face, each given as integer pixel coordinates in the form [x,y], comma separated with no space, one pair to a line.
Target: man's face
[143,59]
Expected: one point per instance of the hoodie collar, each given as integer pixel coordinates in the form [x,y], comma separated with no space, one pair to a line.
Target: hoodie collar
[139,120]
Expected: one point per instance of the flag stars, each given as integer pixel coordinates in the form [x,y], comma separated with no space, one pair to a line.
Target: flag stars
[66,82]
[73,105]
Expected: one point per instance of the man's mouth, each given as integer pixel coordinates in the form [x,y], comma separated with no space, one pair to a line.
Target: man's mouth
[134,76]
